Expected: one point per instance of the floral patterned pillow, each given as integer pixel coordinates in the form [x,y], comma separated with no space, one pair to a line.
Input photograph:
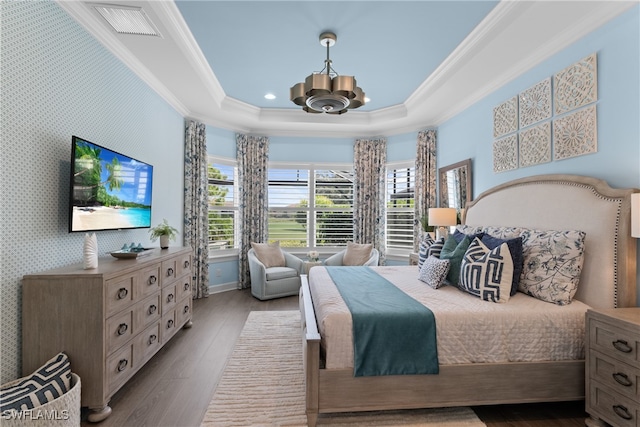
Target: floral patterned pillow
[552,264]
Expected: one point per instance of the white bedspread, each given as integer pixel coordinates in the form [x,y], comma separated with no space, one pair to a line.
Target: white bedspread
[469,330]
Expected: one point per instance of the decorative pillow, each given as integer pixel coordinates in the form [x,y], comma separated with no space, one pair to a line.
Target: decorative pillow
[504,232]
[515,248]
[357,254]
[454,251]
[552,264]
[468,229]
[269,254]
[428,249]
[487,273]
[434,271]
[458,235]
[50,381]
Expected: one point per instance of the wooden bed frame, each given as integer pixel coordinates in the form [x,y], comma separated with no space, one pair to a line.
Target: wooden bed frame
[608,280]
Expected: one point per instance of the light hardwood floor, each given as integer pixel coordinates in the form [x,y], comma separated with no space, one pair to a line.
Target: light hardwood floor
[174,388]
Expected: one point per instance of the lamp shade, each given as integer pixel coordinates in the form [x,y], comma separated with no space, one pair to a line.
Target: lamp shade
[635,215]
[442,217]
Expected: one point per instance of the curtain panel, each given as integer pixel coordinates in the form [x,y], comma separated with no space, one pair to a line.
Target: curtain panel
[426,177]
[252,153]
[196,205]
[369,207]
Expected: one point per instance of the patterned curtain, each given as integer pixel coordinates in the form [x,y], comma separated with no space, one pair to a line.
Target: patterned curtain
[425,188]
[196,205]
[252,153]
[369,208]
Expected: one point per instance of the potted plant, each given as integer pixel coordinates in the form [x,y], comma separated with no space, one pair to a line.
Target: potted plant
[165,232]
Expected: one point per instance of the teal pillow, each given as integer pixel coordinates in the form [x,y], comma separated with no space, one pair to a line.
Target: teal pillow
[454,252]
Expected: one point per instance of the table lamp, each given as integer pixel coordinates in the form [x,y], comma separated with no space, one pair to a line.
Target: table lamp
[442,218]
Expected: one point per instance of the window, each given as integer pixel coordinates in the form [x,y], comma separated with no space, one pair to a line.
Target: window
[400,208]
[310,208]
[223,205]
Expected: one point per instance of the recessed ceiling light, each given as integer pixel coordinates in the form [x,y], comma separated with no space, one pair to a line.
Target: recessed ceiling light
[270,96]
[366,99]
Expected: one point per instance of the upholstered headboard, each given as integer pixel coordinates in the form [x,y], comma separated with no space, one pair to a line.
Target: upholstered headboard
[572,202]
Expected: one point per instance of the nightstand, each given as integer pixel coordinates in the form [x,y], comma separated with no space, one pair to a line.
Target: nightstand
[612,361]
[309,264]
[413,258]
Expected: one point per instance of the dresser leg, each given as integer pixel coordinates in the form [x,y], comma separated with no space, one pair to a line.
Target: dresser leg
[188,324]
[594,422]
[98,414]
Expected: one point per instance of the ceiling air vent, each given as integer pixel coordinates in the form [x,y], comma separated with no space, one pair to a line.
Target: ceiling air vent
[127,20]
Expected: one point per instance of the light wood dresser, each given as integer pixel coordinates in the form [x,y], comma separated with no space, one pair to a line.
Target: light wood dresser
[109,320]
[613,367]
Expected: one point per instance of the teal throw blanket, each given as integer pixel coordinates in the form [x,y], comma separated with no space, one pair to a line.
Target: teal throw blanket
[393,334]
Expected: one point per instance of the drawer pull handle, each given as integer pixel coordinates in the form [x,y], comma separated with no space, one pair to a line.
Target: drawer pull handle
[186,286]
[169,271]
[153,280]
[622,412]
[152,308]
[122,365]
[169,297]
[152,338]
[169,323]
[186,309]
[622,346]
[186,264]
[122,293]
[122,329]
[622,379]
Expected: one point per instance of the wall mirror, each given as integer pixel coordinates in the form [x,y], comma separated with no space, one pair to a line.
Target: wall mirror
[455,185]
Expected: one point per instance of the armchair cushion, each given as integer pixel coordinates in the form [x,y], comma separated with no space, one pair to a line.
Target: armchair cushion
[357,254]
[277,273]
[269,254]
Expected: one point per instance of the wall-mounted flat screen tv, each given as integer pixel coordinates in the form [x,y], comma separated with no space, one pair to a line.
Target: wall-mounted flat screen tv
[109,191]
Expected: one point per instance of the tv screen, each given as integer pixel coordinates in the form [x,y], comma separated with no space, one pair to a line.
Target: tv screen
[109,191]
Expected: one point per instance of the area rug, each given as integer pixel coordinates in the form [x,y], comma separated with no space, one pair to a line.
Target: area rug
[263,385]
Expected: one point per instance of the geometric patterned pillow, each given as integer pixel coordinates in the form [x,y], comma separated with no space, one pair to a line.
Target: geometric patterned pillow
[50,381]
[429,247]
[487,273]
[552,264]
[434,271]
[515,247]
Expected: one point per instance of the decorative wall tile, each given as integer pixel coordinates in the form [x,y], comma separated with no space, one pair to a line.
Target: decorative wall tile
[505,154]
[575,134]
[505,117]
[535,103]
[535,145]
[576,86]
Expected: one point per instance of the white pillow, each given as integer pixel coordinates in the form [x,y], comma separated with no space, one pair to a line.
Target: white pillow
[357,254]
[269,254]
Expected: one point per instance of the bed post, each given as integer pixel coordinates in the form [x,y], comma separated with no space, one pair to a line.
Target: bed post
[311,352]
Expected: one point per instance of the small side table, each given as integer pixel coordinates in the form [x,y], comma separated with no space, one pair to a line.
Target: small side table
[309,264]
[413,258]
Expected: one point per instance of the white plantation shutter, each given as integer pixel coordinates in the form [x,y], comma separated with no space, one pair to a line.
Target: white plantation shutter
[400,208]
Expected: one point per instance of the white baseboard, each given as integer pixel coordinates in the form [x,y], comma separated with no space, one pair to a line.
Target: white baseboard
[216,289]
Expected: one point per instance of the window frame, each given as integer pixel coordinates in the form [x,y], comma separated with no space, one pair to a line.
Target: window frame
[234,251]
[394,251]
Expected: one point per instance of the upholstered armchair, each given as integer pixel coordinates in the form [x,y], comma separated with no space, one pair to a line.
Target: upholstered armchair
[274,282]
[338,259]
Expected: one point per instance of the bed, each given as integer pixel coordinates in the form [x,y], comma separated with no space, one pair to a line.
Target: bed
[545,202]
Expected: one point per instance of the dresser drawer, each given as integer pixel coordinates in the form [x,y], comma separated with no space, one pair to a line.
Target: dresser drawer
[183,286]
[183,265]
[146,312]
[617,342]
[613,408]
[168,326]
[169,271]
[119,293]
[169,298]
[119,367]
[618,376]
[119,330]
[183,311]
[149,281]
[147,343]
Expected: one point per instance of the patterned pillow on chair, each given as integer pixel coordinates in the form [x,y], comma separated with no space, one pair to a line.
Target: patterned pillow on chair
[50,381]
[487,273]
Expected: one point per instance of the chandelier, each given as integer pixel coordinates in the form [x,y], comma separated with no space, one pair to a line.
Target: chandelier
[325,91]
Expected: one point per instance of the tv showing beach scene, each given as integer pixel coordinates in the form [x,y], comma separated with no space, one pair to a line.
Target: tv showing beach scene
[109,190]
